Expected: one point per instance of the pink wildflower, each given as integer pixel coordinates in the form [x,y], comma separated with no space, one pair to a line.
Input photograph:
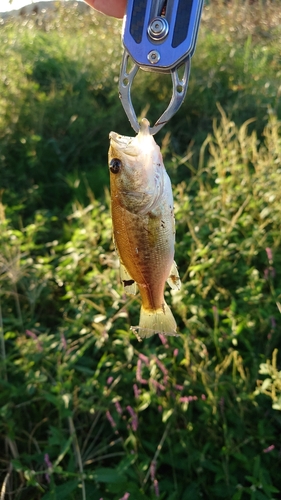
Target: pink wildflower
[272,272]
[156,487]
[139,373]
[184,399]
[175,353]
[270,448]
[31,334]
[157,385]
[161,366]
[152,469]
[126,496]
[110,418]
[47,461]
[163,340]
[203,397]
[269,254]
[136,391]
[134,418]
[216,314]
[49,465]
[144,358]
[118,407]
[187,399]
[34,337]
[269,272]
[178,387]
[273,322]
[63,341]
[109,380]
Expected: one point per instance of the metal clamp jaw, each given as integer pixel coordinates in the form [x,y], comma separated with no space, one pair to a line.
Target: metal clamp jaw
[159,36]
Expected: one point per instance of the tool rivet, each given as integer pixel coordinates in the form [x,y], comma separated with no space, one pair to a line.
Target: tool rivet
[158,28]
[153,56]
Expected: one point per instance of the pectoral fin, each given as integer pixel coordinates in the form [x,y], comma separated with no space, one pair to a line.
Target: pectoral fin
[129,284]
[174,278]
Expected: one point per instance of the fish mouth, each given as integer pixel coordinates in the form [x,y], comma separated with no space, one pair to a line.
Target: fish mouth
[123,143]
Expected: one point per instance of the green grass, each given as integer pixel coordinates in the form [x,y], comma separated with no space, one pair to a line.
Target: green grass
[87,412]
[59,86]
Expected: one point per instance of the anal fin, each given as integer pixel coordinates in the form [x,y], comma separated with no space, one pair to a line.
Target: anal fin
[130,286]
[174,278]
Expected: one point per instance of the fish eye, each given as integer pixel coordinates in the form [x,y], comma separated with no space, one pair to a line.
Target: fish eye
[115,165]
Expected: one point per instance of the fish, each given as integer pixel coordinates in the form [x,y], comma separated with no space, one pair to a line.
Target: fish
[142,212]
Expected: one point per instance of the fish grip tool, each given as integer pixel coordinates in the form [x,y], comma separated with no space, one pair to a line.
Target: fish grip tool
[158,36]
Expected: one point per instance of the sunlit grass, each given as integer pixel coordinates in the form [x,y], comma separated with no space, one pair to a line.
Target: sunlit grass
[59,98]
[86,411]
[79,369]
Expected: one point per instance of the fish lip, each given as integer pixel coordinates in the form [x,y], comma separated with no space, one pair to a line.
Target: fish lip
[123,143]
[120,140]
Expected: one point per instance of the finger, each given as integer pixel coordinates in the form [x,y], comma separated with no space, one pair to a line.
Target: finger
[114,8]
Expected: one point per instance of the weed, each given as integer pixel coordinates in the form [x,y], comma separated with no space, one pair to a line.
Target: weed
[85,410]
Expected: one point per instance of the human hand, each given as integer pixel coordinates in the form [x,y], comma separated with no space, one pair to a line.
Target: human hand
[114,8]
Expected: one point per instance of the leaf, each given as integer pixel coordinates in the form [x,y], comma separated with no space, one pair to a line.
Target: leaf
[126,463]
[57,437]
[191,492]
[277,404]
[166,414]
[17,465]
[64,451]
[238,494]
[62,491]
[84,369]
[108,475]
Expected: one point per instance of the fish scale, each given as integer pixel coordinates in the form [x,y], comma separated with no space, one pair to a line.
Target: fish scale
[146,265]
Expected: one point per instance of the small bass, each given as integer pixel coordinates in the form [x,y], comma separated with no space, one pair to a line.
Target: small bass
[144,227]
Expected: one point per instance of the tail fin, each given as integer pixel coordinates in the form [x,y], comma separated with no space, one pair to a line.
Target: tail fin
[153,321]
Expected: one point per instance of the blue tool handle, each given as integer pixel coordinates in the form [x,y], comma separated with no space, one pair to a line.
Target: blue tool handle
[159,35]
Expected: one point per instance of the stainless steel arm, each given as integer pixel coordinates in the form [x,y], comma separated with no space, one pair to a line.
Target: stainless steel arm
[159,36]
